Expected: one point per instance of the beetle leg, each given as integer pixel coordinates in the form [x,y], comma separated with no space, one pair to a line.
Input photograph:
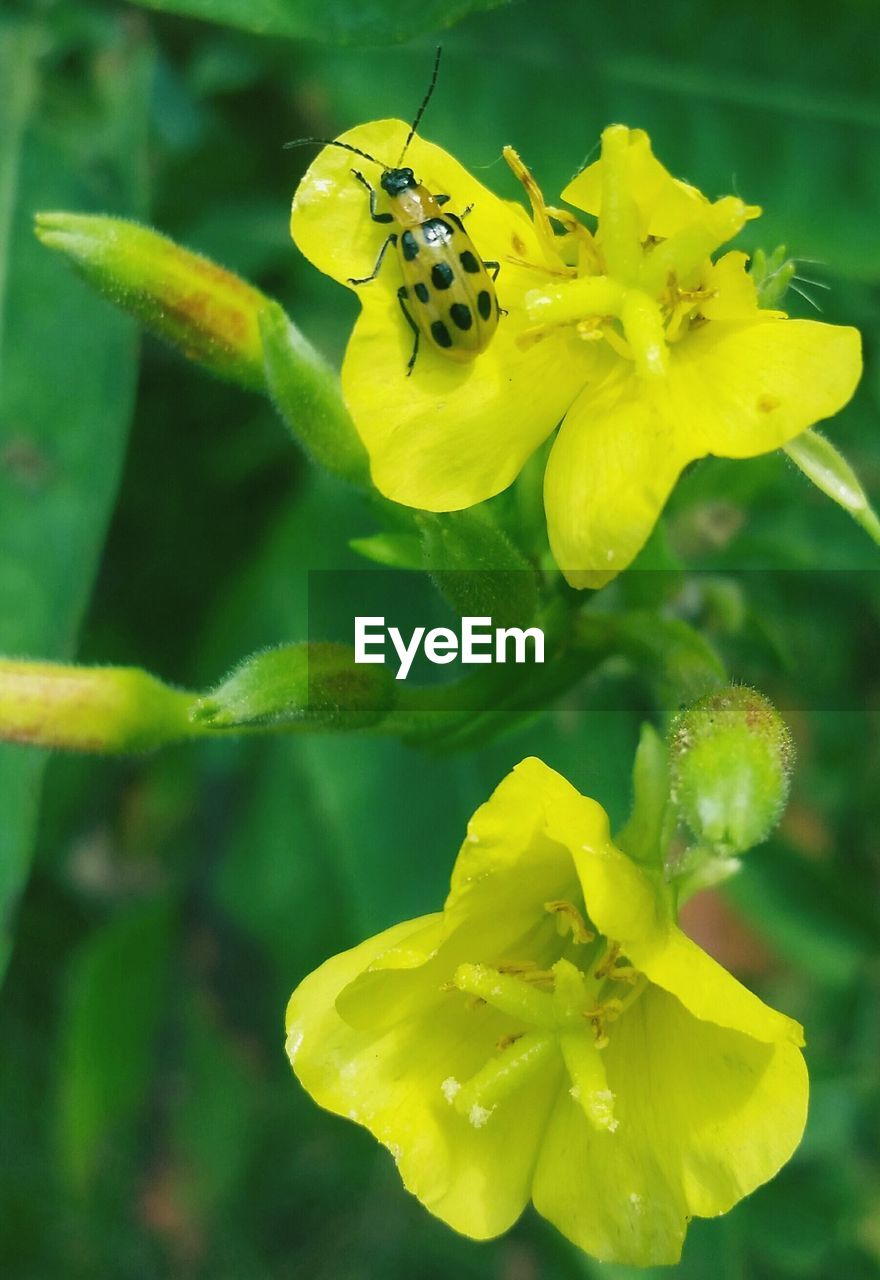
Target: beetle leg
[392,239]
[443,199]
[496,265]
[465,211]
[402,295]
[377,217]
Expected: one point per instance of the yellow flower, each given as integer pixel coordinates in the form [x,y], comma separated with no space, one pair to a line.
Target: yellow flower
[651,353]
[552,1035]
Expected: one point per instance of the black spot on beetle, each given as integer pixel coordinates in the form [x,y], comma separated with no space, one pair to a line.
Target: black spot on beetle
[461,315]
[441,275]
[441,334]
[409,245]
[469,262]
[436,231]
[484,303]
[421,291]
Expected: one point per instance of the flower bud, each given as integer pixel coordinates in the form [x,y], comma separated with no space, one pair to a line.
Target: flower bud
[306,685]
[218,320]
[207,312]
[100,709]
[730,757]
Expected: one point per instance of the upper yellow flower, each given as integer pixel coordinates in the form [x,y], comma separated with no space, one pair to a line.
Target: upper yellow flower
[553,1035]
[652,353]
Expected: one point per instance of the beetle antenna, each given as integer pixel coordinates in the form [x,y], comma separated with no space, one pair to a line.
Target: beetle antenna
[328,142]
[425,101]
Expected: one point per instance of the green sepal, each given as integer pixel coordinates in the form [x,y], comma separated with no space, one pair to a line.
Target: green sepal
[307,685]
[772,274]
[647,832]
[829,471]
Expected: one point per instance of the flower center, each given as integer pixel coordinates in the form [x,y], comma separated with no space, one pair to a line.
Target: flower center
[567,1008]
[638,294]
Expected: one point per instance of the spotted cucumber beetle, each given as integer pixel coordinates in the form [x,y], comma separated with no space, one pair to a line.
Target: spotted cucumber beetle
[447,296]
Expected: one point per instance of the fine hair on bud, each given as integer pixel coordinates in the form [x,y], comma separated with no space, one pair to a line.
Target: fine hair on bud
[731,757]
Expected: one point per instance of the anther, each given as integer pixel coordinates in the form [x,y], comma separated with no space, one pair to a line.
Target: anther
[568,919]
[606,964]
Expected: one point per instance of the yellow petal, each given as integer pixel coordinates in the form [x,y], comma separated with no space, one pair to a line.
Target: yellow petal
[706,988]
[665,204]
[451,434]
[735,297]
[517,855]
[610,472]
[633,907]
[704,1116]
[738,390]
[399,1081]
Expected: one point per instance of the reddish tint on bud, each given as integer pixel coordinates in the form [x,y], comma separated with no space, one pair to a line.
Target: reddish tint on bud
[100,709]
[209,313]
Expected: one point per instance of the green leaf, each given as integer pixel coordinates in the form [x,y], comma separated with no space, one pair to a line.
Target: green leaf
[68,367]
[334,21]
[113,1005]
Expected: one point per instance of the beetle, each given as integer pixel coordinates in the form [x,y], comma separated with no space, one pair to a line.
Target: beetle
[448,295]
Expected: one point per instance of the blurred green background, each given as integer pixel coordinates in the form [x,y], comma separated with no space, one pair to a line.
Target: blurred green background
[149,515]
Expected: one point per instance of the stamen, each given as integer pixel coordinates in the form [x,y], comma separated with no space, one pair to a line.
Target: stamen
[598,1018]
[569,921]
[540,214]
[590,329]
[529,972]
[605,965]
[624,973]
[562,272]
[616,342]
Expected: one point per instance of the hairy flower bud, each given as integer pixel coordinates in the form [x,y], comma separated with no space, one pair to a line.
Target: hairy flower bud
[202,309]
[731,757]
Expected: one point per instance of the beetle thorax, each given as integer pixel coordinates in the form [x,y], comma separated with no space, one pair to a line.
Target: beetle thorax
[414,206]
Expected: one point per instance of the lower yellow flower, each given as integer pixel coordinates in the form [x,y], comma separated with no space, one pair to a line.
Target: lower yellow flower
[647,351]
[552,1035]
